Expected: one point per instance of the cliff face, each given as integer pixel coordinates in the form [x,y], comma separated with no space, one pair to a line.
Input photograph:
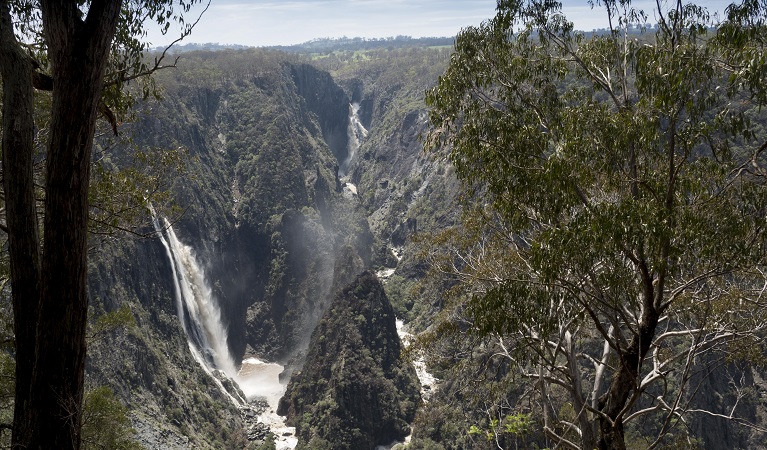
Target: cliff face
[265,214]
[324,98]
[354,391]
[261,212]
[403,190]
[174,404]
[263,209]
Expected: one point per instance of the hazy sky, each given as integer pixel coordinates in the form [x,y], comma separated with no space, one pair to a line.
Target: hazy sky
[275,22]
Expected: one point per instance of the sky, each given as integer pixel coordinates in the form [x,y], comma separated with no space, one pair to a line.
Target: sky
[274,22]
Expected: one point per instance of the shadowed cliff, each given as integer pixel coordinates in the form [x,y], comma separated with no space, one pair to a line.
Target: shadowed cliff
[354,391]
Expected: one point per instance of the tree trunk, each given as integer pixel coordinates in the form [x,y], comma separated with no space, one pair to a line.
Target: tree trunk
[588,439]
[78,51]
[21,214]
[624,382]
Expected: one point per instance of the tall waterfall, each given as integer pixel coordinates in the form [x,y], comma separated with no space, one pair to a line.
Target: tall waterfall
[356,133]
[200,318]
[197,309]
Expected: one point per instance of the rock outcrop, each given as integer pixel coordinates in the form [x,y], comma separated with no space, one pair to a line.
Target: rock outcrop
[261,138]
[354,391]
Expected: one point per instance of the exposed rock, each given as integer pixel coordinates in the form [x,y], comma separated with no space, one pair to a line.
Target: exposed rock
[255,430]
[328,101]
[265,212]
[354,391]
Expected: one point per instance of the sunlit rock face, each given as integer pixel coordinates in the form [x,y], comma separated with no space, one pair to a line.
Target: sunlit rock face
[354,391]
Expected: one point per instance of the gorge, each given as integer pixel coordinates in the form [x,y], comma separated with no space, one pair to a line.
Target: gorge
[266,233]
[200,318]
[303,179]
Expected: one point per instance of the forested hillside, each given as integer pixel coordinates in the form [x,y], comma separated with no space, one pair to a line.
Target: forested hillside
[571,225]
[608,265]
[259,199]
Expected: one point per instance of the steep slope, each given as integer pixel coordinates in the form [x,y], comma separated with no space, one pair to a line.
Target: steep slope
[174,404]
[260,211]
[404,191]
[354,391]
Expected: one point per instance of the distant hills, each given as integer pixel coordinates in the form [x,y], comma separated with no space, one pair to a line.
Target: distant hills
[358,43]
[322,45]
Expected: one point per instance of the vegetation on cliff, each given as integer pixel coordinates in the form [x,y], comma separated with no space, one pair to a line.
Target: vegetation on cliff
[354,390]
[609,257]
[261,210]
[613,245]
[84,54]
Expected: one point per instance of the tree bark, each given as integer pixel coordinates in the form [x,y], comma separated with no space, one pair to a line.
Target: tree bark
[78,51]
[625,380]
[21,215]
[588,439]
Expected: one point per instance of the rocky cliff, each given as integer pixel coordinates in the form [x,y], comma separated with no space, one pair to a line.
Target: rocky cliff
[259,206]
[278,234]
[354,391]
[174,403]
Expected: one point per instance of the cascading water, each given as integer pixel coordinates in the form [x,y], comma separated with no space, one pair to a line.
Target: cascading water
[197,309]
[356,133]
[428,381]
[200,319]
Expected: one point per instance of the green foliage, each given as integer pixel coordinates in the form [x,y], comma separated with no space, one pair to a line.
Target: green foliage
[127,58]
[615,191]
[149,367]
[515,424]
[126,179]
[398,290]
[268,444]
[108,322]
[105,422]
[426,444]
[362,394]
[480,402]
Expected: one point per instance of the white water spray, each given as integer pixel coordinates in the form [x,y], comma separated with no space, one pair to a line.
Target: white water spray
[262,379]
[197,309]
[356,132]
[428,381]
[200,318]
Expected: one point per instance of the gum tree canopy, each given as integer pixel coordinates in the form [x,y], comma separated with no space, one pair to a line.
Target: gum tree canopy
[615,241]
[84,52]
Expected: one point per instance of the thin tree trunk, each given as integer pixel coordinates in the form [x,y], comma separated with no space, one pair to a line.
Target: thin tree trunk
[21,215]
[588,440]
[78,51]
[624,382]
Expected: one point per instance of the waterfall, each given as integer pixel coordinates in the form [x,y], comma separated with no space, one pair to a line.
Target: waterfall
[356,132]
[200,319]
[197,309]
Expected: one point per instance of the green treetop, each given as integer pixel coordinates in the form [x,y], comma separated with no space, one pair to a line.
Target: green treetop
[617,202]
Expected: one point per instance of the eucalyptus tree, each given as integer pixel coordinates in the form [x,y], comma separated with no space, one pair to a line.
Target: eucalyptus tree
[617,201]
[84,53]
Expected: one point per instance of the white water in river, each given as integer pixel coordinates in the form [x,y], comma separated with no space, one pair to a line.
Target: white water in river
[200,318]
[262,379]
[428,381]
[356,132]
[259,379]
